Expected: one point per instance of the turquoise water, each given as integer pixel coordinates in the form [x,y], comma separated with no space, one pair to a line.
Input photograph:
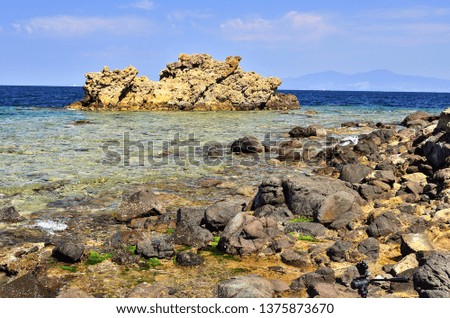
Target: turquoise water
[49,154]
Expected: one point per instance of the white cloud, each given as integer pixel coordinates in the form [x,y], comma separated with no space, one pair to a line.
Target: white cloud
[69,26]
[181,15]
[141,4]
[298,26]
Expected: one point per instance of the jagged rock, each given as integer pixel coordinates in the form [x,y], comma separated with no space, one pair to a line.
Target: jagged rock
[9,214]
[370,247]
[444,119]
[140,204]
[192,235]
[386,176]
[371,192]
[290,150]
[354,172]
[160,246]
[190,216]
[194,82]
[407,262]
[220,213]
[246,234]
[68,250]
[402,287]
[285,242]
[252,286]
[248,144]
[188,258]
[432,278]
[349,274]
[385,224]
[413,243]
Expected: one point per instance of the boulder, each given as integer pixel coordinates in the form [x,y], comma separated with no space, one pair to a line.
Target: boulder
[354,172]
[414,117]
[10,215]
[406,263]
[26,286]
[220,213]
[247,234]
[192,235]
[338,252]
[432,278]
[194,82]
[321,275]
[369,247]
[141,204]
[160,246]
[68,250]
[415,242]
[444,119]
[303,195]
[188,258]
[385,224]
[310,131]
[190,216]
[338,210]
[280,213]
[248,144]
[252,286]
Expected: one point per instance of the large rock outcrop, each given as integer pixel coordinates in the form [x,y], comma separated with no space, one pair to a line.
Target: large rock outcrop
[194,82]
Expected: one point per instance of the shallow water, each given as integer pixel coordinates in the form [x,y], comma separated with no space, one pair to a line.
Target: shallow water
[51,154]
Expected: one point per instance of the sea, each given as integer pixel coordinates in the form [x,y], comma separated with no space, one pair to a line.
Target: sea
[49,154]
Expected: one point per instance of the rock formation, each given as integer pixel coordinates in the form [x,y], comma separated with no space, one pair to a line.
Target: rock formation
[194,82]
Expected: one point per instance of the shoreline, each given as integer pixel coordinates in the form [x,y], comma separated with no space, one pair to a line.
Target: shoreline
[98,231]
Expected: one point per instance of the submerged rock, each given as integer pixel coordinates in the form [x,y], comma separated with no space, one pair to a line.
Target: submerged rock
[10,215]
[194,82]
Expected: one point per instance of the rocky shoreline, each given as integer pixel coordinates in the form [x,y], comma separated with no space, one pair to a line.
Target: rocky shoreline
[384,199]
[194,82]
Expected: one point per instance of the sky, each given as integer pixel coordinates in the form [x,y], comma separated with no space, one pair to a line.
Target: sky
[54,42]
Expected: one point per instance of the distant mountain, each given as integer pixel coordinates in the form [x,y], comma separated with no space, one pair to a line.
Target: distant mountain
[379,80]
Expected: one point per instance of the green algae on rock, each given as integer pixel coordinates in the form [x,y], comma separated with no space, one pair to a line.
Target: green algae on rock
[194,82]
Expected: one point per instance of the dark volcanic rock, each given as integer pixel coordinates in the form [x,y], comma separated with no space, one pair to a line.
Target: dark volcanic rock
[192,235]
[248,144]
[9,214]
[369,247]
[432,278]
[327,290]
[188,258]
[68,250]
[279,213]
[270,192]
[140,204]
[26,286]
[160,246]
[414,117]
[190,215]
[252,286]
[321,275]
[338,251]
[220,213]
[383,225]
[354,173]
[305,195]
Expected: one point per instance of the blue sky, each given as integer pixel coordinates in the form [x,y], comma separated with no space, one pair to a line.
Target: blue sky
[53,42]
